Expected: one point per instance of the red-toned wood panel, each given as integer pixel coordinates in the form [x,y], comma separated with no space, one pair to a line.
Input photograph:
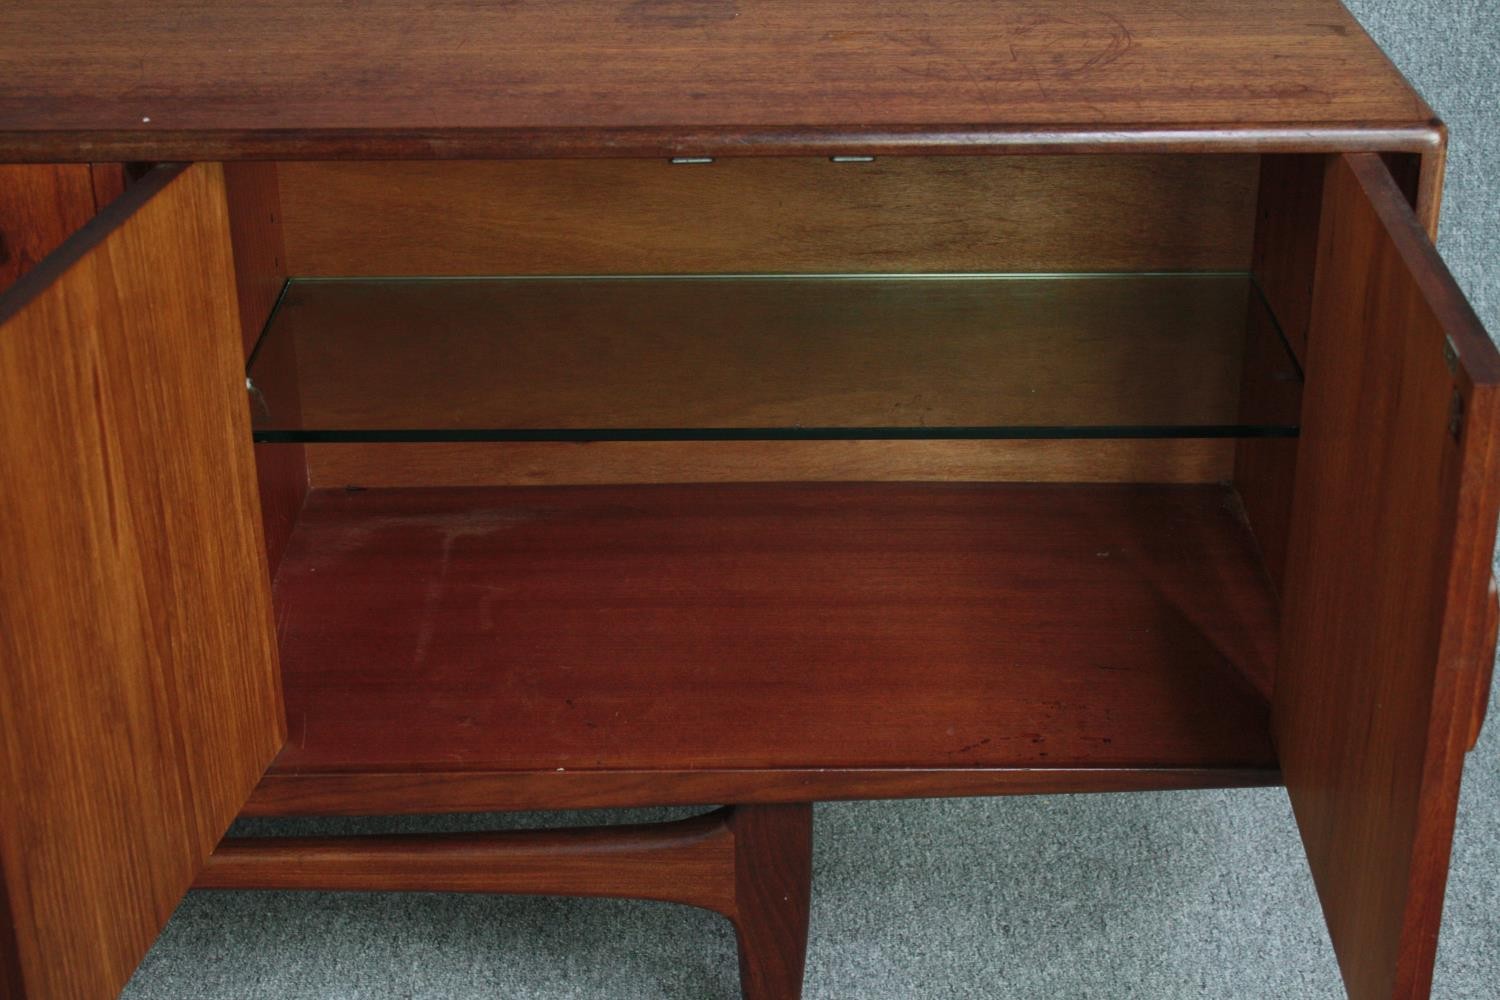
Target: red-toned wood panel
[687,861]
[41,205]
[303,79]
[109,181]
[1286,244]
[284,793]
[1385,613]
[260,275]
[1286,240]
[138,686]
[858,627]
[1265,468]
[770,215]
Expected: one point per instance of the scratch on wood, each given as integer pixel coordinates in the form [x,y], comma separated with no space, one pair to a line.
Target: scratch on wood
[1064,47]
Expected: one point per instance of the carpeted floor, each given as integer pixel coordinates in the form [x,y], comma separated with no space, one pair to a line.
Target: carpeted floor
[1153,896]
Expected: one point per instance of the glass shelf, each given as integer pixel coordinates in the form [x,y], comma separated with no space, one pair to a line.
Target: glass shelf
[832,357]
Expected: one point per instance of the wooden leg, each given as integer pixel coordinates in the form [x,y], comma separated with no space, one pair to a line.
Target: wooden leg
[772,892]
[753,864]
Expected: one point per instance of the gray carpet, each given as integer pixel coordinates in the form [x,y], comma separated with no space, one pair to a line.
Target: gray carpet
[1159,896]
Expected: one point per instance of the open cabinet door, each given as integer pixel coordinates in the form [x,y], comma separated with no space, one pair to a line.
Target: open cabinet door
[1385,641]
[139,699]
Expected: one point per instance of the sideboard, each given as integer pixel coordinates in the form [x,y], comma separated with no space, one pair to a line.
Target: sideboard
[454,407]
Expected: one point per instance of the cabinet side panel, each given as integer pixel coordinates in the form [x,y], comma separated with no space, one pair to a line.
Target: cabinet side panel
[109,181]
[138,679]
[1383,623]
[254,202]
[1286,246]
[1286,240]
[1420,177]
[1265,468]
[41,204]
[795,215]
[260,274]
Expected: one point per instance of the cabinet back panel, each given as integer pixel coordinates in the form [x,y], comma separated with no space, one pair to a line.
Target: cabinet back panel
[786,215]
[551,464]
[796,214]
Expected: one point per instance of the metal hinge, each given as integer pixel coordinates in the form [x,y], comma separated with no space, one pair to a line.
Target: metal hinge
[1456,404]
[1456,415]
[258,405]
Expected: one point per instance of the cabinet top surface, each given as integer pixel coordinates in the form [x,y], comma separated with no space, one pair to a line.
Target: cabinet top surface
[170,78]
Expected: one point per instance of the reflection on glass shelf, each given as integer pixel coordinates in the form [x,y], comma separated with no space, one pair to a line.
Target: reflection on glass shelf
[767,358]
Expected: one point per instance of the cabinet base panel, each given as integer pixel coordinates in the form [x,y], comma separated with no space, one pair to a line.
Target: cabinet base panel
[514,647]
[523,648]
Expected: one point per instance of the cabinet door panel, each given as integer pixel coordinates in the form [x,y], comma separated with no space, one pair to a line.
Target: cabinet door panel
[1385,616]
[139,701]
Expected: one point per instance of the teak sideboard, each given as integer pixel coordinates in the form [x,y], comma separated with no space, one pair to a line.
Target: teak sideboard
[458,407]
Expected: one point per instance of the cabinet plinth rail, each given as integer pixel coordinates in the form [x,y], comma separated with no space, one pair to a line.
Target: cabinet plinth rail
[753,864]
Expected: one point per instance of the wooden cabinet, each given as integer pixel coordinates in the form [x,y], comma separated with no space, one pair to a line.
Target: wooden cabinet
[588,435]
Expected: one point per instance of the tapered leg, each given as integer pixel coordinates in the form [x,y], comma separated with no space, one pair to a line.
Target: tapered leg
[773,887]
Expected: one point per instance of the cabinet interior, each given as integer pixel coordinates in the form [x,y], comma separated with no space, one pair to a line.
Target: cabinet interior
[973,465]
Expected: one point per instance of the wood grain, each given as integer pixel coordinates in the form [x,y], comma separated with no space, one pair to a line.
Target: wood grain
[260,275]
[1286,247]
[303,80]
[687,861]
[1431,174]
[255,228]
[753,864]
[138,677]
[40,206]
[972,213]
[661,142]
[862,628]
[345,794]
[777,353]
[1383,628]
[1419,175]
[772,893]
[1286,240]
[1169,460]
[109,181]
